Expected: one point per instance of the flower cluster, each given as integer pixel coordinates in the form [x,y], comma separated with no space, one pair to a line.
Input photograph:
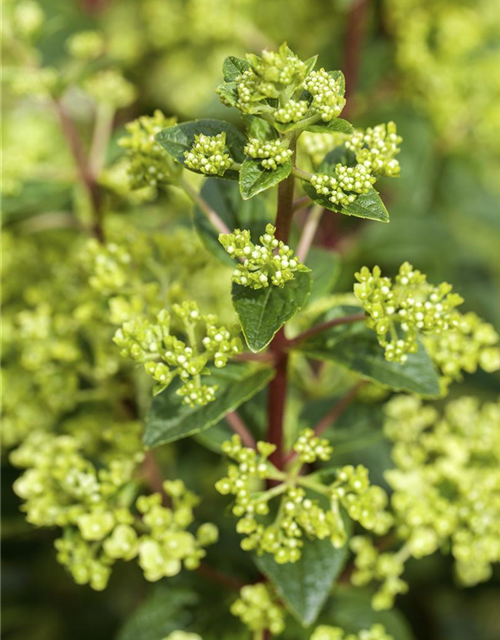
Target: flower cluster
[472,343]
[258,609]
[327,94]
[271,262]
[109,265]
[375,632]
[85,45]
[399,312]
[310,447]
[165,356]
[149,165]
[95,509]
[344,187]
[183,635]
[271,153]
[298,514]
[376,149]
[292,111]
[268,76]
[109,87]
[209,155]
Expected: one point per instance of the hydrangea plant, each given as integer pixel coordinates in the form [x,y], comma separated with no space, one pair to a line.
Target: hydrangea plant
[295,519]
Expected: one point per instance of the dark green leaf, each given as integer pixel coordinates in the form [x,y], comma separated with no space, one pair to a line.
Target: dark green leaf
[337,125]
[169,419]
[224,197]
[325,271]
[232,67]
[228,92]
[351,610]
[176,140]
[262,312]
[254,178]
[306,584]
[164,611]
[367,205]
[259,128]
[356,348]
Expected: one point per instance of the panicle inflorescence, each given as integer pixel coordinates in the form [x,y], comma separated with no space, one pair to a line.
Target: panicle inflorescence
[258,609]
[271,153]
[165,356]
[292,111]
[110,88]
[327,94]
[376,149]
[85,45]
[344,187]
[96,510]
[209,155]
[298,513]
[400,311]
[271,262]
[375,632]
[149,165]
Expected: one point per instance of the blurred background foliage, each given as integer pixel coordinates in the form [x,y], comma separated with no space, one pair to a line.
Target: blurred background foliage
[431,66]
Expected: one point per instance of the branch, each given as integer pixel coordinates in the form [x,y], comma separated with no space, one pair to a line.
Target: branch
[221,578]
[300,203]
[358,317]
[154,476]
[309,231]
[212,215]
[240,428]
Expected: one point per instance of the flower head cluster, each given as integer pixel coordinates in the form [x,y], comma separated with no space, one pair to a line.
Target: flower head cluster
[298,514]
[311,448]
[292,111]
[85,45]
[183,635]
[472,343]
[209,155]
[327,94]
[399,312]
[447,485]
[376,149]
[344,187]
[149,165]
[94,507]
[165,356]
[375,632]
[268,76]
[271,153]
[258,609]
[109,265]
[109,87]
[271,262]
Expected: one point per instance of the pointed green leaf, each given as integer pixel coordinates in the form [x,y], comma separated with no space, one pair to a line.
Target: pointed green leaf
[262,312]
[224,197]
[232,67]
[169,419]
[228,93]
[337,125]
[367,205]
[254,178]
[176,140]
[325,271]
[306,584]
[356,348]
[259,128]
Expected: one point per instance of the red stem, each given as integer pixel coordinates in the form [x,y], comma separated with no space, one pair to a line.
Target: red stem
[357,317]
[240,428]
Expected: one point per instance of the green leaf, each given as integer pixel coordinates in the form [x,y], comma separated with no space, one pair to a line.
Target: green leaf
[337,125]
[165,610]
[169,419]
[176,140]
[351,610]
[367,205]
[356,348]
[262,312]
[254,178]
[228,91]
[224,197]
[232,67]
[325,271]
[306,584]
[258,128]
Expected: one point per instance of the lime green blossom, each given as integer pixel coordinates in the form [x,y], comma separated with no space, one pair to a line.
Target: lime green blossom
[183,635]
[376,149]
[258,610]
[292,111]
[399,312]
[271,153]
[327,94]
[344,187]
[310,448]
[298,513]
[376,632]
[148,165]
[95,508]
[209,155]
[109,87]
[28,18]
[165,356]
[271,262]
[85,45]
